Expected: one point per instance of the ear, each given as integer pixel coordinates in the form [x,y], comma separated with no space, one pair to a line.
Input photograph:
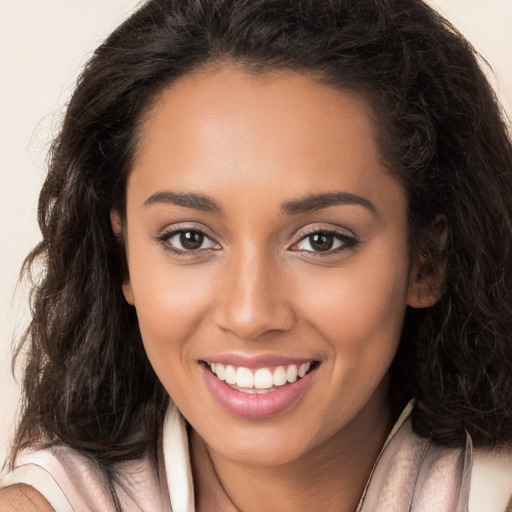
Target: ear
[427,274]
[117,227]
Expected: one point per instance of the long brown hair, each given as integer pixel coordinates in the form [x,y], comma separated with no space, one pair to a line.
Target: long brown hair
[88,383]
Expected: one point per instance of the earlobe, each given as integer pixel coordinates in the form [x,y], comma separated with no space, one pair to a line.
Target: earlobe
[423,293]
[128,292]
[427,274]
[116,223]
[117,227]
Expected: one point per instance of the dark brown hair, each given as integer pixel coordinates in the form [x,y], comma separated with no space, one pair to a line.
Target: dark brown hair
[88,383]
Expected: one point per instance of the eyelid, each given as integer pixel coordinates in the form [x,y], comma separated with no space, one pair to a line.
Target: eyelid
[185,226]
[165,234]
[348,239]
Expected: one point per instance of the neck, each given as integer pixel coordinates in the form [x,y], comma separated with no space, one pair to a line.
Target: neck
[334,473]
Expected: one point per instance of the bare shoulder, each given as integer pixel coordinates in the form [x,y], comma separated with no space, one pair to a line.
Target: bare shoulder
[23,498]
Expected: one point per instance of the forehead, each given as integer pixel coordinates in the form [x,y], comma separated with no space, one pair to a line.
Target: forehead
[268,134]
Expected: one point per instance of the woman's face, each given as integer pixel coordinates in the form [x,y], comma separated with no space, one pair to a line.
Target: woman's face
[265,239]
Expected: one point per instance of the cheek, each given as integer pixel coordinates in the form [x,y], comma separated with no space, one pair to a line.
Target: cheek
[172,299]
[358,313]
[359,309]
[171,303]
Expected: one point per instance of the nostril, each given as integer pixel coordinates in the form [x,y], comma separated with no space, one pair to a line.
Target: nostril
[251,323]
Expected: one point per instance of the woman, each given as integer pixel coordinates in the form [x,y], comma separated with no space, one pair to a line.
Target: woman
[293,218]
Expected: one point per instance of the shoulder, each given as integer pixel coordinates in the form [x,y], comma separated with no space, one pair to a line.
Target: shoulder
[37,475]
[412,469]
[68,480]
[23,498]
[491,480]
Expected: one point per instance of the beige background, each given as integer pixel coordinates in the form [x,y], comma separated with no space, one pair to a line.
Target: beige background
[43,44]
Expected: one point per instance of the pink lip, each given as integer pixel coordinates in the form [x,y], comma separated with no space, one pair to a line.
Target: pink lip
[259,361]
[254,406]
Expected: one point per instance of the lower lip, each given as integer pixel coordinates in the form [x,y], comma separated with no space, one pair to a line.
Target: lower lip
[255,406]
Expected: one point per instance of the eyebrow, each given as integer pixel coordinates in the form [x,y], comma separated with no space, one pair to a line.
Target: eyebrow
[319,201]
[306,204]
[188,200]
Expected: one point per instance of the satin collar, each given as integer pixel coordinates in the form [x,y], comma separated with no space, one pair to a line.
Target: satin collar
[410,474]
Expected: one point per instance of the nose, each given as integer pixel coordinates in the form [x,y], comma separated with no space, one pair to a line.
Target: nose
[252,299]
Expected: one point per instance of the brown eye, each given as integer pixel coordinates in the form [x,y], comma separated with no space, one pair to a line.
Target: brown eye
[191,240]
[187,242]
[327,242]
[321,241]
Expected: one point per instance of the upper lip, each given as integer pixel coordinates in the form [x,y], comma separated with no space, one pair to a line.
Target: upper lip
[256,361]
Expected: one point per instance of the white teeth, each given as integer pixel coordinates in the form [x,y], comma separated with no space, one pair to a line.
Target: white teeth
[279,376]
[230,375]
[244,378]
[220,371]
[304,369]
[291,374]
[253,391]
[262,379]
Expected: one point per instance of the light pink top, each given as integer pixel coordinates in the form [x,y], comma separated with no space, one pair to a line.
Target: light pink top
[411,474]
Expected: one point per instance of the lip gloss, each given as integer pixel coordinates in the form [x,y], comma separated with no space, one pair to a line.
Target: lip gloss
[255,406]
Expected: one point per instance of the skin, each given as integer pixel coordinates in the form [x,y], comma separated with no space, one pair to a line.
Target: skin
[257,285]
[23,498]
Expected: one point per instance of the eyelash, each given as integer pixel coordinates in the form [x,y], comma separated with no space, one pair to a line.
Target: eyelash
[164,240]
[347,241]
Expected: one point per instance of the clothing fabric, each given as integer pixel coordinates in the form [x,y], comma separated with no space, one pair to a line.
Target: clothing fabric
[410,475]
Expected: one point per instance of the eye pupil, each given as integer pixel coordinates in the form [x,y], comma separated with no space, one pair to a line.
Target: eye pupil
[191,239]
[321,242]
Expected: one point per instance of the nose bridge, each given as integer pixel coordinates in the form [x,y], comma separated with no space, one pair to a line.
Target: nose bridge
[251,300]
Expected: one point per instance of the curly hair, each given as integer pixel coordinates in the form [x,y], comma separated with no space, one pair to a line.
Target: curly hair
[88,383]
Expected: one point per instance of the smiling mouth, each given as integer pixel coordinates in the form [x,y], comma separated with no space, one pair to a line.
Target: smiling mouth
[259,380]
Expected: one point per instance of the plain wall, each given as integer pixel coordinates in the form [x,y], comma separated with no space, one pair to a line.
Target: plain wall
[43,45]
